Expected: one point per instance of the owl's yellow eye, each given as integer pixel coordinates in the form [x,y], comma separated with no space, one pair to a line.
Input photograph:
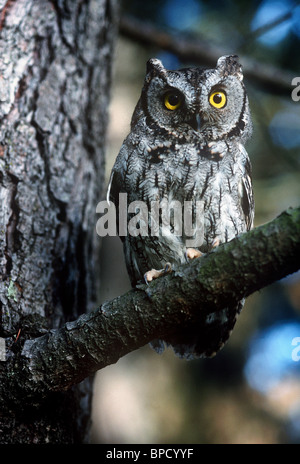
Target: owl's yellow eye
[172,100]
[218,99]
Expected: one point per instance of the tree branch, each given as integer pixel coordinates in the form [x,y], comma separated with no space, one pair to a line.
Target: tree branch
[234,270]
[204,53]
[272,24]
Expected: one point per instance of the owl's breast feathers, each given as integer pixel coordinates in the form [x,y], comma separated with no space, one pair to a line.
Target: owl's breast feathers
[217,174]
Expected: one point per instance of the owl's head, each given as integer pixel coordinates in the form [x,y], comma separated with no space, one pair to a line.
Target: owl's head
[210,103]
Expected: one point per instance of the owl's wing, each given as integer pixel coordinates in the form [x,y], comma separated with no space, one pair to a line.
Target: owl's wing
[113,190]
[247,197]
[206,336]
[109,193]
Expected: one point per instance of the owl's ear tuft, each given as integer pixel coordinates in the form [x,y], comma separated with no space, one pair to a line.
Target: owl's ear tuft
[230,65]
[155,67]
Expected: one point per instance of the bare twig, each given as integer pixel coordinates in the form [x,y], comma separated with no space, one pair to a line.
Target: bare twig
[271,25]
[203,53]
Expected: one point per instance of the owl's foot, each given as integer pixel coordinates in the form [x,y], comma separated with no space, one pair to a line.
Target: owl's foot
[154,273]
[192,253]
[215,243]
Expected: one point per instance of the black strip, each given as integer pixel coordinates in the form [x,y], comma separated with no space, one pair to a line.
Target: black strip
[205,186]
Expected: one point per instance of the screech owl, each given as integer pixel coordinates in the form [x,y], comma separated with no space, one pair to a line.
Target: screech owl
[186,145]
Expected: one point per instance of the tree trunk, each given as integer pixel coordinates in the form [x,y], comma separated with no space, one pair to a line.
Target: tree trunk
[55,70]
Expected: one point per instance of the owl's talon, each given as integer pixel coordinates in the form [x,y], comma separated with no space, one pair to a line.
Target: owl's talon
[154,273]
[167,269]
[192,253]
[215,243]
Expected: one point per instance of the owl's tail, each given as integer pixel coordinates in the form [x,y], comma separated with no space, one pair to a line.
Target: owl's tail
[204,338]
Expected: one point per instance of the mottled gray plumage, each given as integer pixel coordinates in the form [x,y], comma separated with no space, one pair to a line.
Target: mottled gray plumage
[191,151]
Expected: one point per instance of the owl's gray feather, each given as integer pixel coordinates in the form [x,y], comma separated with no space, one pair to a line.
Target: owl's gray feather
[192,153]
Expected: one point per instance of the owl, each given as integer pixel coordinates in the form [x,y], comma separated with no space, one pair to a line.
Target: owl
[186,176]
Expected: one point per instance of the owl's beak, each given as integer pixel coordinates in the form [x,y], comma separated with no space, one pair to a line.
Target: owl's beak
[195,123]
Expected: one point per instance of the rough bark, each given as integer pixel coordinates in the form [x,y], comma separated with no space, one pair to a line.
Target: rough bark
[55,71]
[63,357]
